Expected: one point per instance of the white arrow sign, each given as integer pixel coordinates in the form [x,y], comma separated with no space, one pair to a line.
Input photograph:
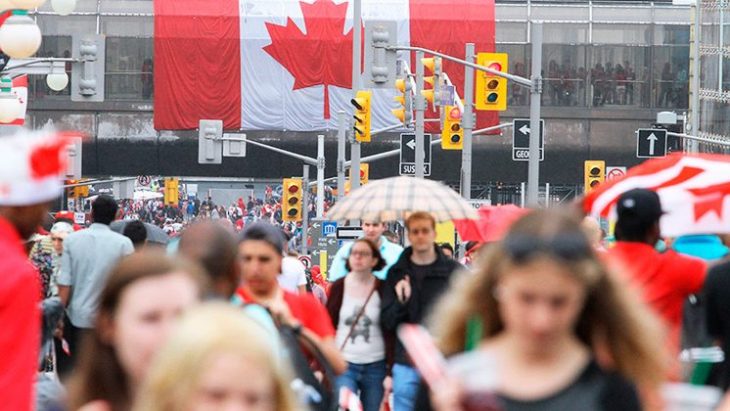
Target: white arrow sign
[411,144]
[525,130]
[652,139]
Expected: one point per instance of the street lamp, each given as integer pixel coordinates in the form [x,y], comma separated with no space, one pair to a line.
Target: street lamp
[20,37]
[57,80]
[63,7]
[10,106]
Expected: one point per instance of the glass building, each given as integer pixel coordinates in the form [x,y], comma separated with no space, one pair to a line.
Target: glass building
[609,67]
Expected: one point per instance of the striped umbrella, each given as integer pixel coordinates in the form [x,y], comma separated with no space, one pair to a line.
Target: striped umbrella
[395,198]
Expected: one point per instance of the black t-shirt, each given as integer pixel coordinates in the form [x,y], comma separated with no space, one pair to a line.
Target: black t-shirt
[717,305]
[594,390]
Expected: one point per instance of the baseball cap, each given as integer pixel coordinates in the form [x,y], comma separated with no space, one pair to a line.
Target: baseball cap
[639,204]
[264,232]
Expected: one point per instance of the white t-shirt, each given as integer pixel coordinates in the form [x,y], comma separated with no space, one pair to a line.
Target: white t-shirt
[292,274]
[366,344]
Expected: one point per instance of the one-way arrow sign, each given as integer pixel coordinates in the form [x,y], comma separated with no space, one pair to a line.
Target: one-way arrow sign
[651,142]
[408,154]
[521,139]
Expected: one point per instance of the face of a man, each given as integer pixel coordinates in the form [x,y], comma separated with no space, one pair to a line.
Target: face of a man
[373,231]
[26,219]
[421,235]
[260,265]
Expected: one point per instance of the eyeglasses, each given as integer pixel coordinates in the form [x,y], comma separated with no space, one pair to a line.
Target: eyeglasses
[360,254]
[566,246]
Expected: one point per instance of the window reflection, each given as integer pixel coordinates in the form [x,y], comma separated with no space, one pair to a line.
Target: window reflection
[129,68]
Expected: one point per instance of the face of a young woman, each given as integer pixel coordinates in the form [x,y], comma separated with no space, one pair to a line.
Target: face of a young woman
[540,302]
[361,257]
[233,382]
[147,310]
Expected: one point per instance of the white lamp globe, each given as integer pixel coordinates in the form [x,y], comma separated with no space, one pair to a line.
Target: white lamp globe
[10,107]
[20,37]
[27,4]
[57,81]
[63,7]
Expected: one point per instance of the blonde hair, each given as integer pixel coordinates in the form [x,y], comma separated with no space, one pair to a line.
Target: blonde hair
[204,331]
[620,331]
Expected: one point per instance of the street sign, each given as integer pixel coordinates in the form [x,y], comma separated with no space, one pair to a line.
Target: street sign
[408,154]
[448,94]
[329,228]
[79,218]
[521,139]
[651,142]
[320,244]
[349,233]
[144,181]
[614,172]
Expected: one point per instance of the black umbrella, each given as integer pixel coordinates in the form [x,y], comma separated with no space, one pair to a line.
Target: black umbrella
[154,233]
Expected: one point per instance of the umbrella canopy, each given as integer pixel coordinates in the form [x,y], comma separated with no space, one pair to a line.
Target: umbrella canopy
[154,233]
[692,190]
[492,225]
[395,198]
[147,195]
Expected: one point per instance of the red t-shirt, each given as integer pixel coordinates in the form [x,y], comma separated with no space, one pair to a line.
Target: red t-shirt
[21,321]
[664,279]
[305,308]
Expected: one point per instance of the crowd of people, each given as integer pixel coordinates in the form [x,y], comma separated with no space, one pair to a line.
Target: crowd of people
[547,317]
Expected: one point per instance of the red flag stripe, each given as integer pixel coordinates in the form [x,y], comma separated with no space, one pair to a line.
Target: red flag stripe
[444,26]
[197,72]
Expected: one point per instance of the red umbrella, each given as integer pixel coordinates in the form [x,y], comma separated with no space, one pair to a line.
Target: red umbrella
[492,225]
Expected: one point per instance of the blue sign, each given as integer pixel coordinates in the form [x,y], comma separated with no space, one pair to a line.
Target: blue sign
[329,228]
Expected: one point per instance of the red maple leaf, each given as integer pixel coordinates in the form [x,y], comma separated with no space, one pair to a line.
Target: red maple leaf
[321,56]
[710,199]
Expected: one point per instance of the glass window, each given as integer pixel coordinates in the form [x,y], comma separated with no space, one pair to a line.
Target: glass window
[564,74]
[710,77]
[52,25]
[126,6]
[519,65]
[51,46]
[510,11]
[621,34]
[620,76]
[715,117]
[565,33]
[620,13]
[671,35]
[129,69]
[511,32]
[82,6]
[128,26]
[671,76]
[561,12]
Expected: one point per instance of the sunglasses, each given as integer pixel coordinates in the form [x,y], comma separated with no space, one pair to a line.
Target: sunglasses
[565,246]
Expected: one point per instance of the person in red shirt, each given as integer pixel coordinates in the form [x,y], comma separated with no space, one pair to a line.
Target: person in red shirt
[665,279]
[261,252]
[30,170]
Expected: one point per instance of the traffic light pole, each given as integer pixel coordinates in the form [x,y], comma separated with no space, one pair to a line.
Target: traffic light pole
[533,170]
[341,143]
[420,116]
[320,176]
[305,208]
[467,122]
[356,63]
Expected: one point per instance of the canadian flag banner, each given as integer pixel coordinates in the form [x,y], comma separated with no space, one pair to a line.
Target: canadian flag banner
[286,64]
[694,191]
[20,89]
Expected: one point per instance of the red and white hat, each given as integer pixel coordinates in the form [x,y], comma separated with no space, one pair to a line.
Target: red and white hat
[32,166]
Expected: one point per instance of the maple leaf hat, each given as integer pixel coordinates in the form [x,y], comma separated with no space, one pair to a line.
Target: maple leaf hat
[32,165]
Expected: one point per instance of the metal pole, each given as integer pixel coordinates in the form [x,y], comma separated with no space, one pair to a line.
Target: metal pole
[547,195]
[467,122]
[533,172]
[420,115]
[320,176]
[341,141]
[356,48]
[305,208]
[692,147]
[522,194]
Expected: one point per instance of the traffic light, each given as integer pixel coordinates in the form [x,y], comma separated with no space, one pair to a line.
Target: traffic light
[82,191]
[452,135]
[87,75]
[171,191]
[362,115]
[491,89]
[291,200]
[405,113]
[71,191]
[364,173]
[594,174]
[434,65]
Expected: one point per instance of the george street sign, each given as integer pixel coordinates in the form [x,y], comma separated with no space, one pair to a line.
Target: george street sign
[521,139]
[408,154]
[651,142]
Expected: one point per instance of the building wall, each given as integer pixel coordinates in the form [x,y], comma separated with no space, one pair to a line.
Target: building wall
[608,68]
